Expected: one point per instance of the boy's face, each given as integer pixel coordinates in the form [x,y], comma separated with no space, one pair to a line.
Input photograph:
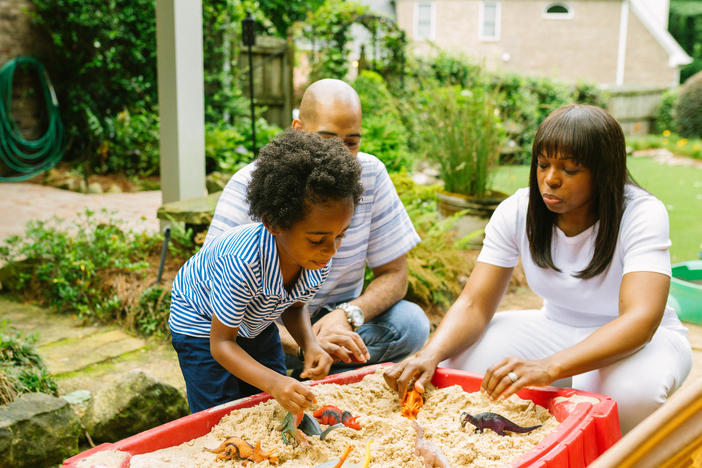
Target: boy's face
[335,121]
[312,242]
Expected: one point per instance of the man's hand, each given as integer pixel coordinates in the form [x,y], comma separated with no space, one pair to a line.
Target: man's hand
[335,336]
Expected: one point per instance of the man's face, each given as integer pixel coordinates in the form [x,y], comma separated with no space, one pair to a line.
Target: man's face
[335,121]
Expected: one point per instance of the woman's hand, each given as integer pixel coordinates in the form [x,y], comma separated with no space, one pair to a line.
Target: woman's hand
[292,395]
[317,363]
[420,369]
[511,374]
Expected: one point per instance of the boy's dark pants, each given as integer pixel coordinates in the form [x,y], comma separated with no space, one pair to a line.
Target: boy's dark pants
[207,383]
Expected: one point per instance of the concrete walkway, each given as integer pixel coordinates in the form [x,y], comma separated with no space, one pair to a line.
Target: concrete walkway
[23,202]
[87,357]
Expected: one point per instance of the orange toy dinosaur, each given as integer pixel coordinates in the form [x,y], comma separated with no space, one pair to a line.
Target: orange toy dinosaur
[411,404]
[234,446]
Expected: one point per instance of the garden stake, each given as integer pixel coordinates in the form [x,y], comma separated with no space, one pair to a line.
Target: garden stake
[164,251]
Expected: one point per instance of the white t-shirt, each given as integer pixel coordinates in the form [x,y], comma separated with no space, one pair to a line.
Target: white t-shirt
[642,246]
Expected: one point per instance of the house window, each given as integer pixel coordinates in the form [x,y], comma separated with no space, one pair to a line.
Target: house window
[558,10]
[489,20]
[424,20]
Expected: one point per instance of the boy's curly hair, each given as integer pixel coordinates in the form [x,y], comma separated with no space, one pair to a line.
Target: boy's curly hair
[297,168]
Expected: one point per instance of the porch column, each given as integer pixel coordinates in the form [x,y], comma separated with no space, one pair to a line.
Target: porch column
[181,98]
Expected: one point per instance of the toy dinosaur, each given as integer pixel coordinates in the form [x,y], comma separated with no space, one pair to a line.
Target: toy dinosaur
[234,446]
[493,421]
[431,454]
[294,427]
[332,415]
[289,429]
[411,404]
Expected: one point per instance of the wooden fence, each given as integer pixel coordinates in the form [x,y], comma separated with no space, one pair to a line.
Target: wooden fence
[273,77]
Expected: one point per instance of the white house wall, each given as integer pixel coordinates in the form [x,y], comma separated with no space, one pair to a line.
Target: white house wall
[583,47]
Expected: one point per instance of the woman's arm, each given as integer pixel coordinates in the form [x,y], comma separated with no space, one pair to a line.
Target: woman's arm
[462,325]
[291,394]
[317,361]
[642,299]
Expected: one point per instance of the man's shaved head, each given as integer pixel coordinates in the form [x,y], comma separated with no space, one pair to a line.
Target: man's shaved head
[326,93]
[331,108]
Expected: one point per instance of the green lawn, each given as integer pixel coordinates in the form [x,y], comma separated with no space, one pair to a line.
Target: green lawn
[680,188]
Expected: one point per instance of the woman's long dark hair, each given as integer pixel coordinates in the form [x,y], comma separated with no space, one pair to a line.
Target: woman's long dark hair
[594,139]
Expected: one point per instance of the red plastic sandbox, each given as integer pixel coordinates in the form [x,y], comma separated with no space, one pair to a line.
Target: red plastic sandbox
[585,431]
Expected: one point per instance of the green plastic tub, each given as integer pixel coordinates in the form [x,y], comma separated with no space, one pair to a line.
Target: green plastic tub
[686,291]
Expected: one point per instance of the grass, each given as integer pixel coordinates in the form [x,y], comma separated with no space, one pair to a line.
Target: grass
[679,187]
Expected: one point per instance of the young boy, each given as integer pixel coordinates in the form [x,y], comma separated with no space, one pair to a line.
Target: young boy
[226,297]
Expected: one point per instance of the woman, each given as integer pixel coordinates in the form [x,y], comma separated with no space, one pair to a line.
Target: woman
[595,246]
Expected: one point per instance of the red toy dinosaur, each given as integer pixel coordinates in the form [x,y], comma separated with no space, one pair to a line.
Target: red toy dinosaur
[331,415]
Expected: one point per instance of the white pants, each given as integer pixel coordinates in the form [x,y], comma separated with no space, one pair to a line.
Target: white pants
[639,383]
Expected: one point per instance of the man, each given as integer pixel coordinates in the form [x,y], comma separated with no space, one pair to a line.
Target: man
[354,328]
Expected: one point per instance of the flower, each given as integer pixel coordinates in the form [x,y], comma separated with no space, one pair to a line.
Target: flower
[666,132]
[682,142]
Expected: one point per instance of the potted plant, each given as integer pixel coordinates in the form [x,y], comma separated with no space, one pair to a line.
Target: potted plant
[462,133]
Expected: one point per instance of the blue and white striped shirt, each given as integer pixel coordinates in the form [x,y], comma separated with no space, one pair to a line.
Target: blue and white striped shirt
[380,229]
[237,278]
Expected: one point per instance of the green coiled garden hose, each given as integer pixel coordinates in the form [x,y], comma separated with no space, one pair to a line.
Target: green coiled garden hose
[27,158]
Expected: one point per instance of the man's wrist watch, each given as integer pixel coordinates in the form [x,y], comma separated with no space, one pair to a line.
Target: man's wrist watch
[354,315]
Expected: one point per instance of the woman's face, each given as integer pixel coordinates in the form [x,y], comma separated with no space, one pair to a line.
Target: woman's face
[565,186]
[313,241]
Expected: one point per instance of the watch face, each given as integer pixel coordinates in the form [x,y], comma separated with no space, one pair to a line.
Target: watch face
[356,318]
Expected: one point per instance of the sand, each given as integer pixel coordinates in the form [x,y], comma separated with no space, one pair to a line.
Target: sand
[378,411]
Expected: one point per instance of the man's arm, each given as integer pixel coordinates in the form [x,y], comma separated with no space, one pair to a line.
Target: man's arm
[389,285]
[333,331]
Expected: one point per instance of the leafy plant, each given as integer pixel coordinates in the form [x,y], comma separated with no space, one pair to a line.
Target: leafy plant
[230,146]
[687,108]
[436,265]
[463,134]
[151,311]
[327,29]
[102,60]
[21,368]
[129,143]
[384,134]
[83,269]
[665,120]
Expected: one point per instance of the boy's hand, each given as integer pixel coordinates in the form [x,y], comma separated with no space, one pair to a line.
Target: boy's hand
[292,395]
[317,363]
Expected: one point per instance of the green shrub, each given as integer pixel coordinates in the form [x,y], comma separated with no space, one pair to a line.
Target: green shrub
[21,368]
[76,269]
[128,143]
[688,108]
[665,120]
[374,94]
[229,147]
[150,316]
[463,134]
[524,101]
[384,134]
[436,265]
